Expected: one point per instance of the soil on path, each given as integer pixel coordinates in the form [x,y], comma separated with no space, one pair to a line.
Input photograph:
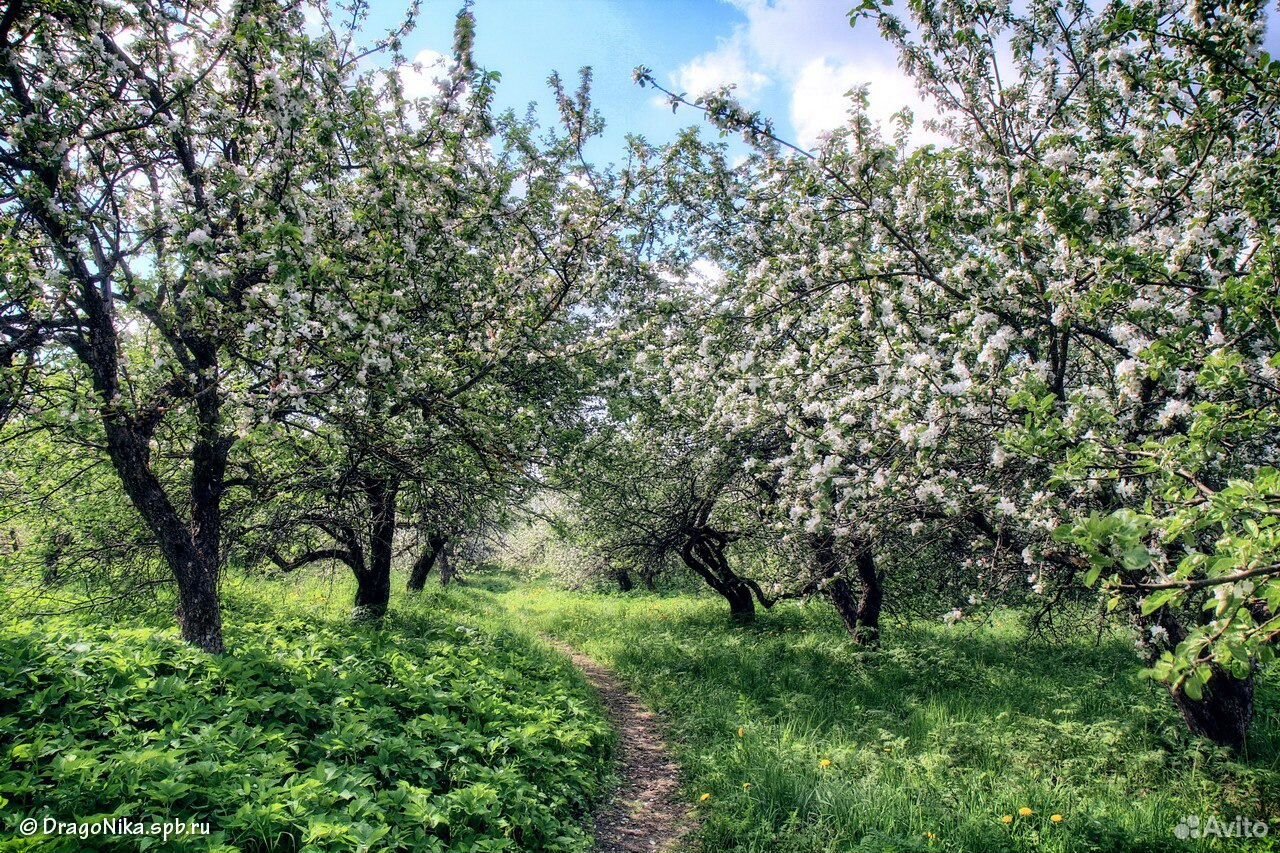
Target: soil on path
[645,813]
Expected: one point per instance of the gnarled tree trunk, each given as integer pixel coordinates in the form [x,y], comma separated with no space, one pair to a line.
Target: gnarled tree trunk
[1225,709]
[373,582]
[191,547]
[861,616]
[425,562]
[704,554]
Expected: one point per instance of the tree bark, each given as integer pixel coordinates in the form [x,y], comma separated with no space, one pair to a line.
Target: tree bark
[861,616]
[191,549]
[742,604]
[447,571]
[871,601]
[1225,709]
[841,596]
[373,583]
[373,594]
[707,560]
[200,606]
[425,562]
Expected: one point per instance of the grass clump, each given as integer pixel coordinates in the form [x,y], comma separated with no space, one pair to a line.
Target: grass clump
[310,734]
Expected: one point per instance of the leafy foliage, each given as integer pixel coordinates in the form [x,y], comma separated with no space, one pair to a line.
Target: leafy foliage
[310,734]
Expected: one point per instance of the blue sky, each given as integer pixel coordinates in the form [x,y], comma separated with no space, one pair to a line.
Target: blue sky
[526,40]
[792,59]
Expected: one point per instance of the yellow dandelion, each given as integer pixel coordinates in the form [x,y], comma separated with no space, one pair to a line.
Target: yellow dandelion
[1025,812]
[746,786]
[742,731]
[704,798]
[824,763]
[1007,819]
[932,838]
[1057,818]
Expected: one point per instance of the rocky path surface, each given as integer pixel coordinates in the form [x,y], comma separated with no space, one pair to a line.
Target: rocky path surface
[646,813]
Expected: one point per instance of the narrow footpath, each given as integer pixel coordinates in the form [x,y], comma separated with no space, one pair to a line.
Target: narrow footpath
[645,813]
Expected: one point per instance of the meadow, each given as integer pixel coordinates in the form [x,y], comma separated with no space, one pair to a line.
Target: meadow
[454,727]
[938,741]
[306,305]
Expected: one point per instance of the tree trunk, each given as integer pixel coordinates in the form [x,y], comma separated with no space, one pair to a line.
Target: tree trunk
[742,603]
[861,616]
[446,566]
[191,549]
[841,596]
[373,584]
[623,577]
[191,546]
[708,562]
[199,604]
[373,594]
[1224,711]
[426,560]
[867,632]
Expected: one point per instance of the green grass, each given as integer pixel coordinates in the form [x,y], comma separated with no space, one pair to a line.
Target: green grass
[943,732]
[454,729]
[312,733]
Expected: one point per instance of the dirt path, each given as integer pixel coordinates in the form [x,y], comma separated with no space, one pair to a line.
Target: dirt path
[645,813]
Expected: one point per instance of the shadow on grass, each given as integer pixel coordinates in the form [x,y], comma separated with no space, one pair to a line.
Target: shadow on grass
[803,664]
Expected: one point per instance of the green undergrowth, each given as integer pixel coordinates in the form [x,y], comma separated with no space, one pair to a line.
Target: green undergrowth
[312,733]
[931,741]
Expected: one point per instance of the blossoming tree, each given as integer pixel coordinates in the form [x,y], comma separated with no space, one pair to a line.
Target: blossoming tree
[1057,334]
[153,161]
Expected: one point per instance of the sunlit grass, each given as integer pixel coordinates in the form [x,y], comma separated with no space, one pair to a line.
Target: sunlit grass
[943,740]
[791,739]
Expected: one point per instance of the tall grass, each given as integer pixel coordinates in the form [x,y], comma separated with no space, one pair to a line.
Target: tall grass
[806,743]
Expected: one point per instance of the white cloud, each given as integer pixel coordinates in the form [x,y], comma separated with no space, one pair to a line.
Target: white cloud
[727,64]
[787,33]
[820,101]
[312,21]
[808,47]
